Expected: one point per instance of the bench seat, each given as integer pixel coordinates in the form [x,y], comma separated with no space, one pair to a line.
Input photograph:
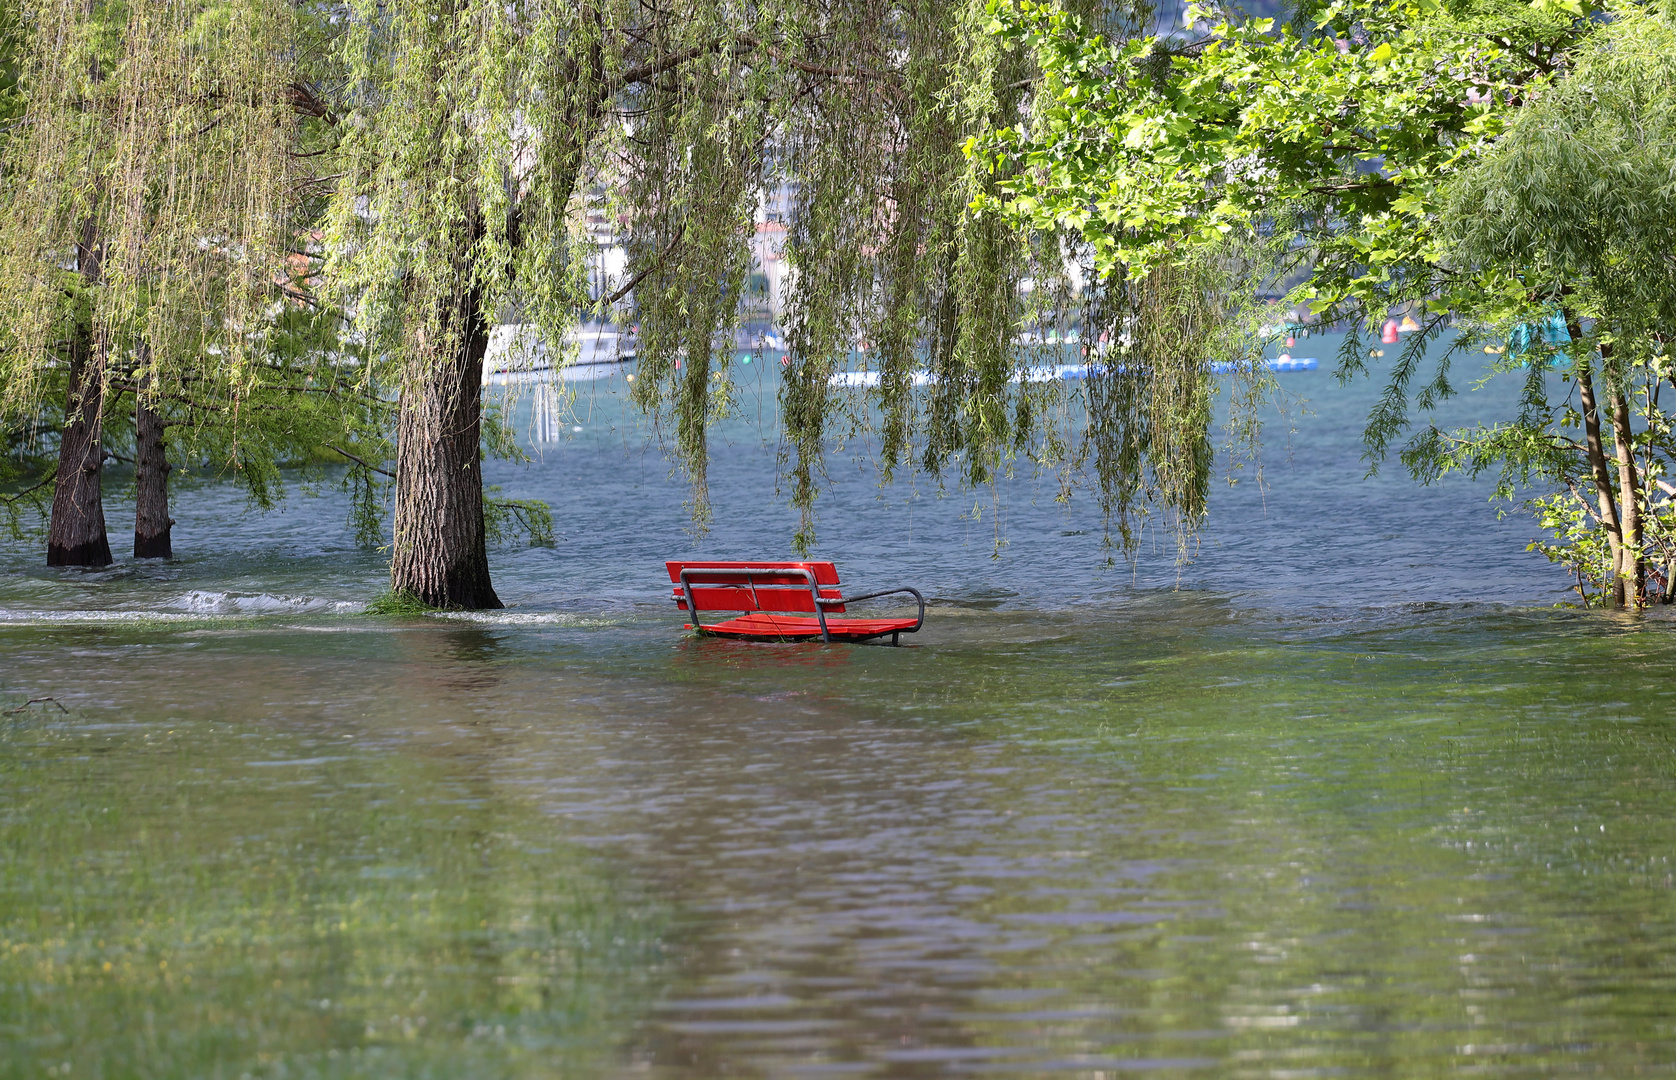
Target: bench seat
[761,624]
[780,601]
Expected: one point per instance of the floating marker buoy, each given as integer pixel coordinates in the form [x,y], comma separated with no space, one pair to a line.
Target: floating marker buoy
[1290,341]
[1389,337]
[1408,325]
[1286,358]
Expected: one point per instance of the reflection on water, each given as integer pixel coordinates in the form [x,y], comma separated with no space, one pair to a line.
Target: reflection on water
[1188,839]
[1353,802]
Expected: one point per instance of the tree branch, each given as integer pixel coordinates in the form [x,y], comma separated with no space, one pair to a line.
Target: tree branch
[836,73]
[361,461]
[653,68]
[303,99]
[1367,185]
[657,264]
[17,495]
[35,701]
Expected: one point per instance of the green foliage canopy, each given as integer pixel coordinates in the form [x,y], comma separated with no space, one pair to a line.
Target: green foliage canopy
[1335,131]
[158,200]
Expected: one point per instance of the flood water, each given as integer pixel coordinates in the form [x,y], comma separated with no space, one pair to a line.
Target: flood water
[1346,796]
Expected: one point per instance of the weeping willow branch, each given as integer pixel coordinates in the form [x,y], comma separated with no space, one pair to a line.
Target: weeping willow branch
[21,496]
[628,286]
[361,461]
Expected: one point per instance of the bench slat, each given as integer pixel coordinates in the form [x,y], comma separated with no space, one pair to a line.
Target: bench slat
[762,598]
[708,572]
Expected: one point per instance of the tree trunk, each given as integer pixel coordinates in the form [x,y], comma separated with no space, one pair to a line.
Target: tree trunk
[1632,561]
[76,533]
[1596,452]
[151,479]
[441,556]
[1602,479]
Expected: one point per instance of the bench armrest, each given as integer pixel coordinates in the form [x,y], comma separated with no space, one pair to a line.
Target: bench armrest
[822,600]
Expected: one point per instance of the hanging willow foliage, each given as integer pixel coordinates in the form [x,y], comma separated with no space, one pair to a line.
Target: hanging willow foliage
[154,185]
[464,139]
[859,113]
[155,137]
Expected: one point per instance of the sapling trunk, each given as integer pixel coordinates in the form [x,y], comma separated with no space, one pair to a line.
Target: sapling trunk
[1602,478]
[151,481]
[1596,452]
[1632,565]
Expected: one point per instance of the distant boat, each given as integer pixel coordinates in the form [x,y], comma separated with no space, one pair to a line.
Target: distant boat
[518,354]
[867,380]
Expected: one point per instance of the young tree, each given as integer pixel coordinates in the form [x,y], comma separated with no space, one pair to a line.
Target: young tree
[1575,206]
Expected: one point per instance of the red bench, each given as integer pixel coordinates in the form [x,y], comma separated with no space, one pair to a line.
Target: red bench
[781,601]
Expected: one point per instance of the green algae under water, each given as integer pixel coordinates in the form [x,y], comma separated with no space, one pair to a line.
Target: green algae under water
[1182,838]
[1346,797]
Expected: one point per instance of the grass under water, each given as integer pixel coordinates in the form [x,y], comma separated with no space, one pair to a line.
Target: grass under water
[186,897]
[1188,839]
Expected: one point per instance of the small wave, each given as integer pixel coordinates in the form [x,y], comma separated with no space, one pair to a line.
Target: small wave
[527,618]
[12,617]
[226,603]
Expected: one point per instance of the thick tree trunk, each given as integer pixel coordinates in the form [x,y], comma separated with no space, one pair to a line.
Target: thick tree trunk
[76,534]
[151,479]
[441,556]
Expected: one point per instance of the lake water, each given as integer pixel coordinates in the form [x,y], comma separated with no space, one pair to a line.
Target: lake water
[1346,796]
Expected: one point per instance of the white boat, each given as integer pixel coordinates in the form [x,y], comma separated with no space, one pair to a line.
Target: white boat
[518,354]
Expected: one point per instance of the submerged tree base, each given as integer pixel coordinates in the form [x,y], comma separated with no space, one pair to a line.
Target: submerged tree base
[400,603]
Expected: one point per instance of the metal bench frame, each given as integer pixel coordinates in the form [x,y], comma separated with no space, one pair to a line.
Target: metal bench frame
[821,603]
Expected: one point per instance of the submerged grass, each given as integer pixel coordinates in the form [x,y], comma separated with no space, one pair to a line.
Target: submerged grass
[189,901]
[399,604]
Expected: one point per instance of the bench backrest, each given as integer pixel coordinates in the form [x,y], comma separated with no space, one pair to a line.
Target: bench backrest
[754,586]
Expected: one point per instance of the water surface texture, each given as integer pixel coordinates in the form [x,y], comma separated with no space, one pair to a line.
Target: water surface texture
[1346,796]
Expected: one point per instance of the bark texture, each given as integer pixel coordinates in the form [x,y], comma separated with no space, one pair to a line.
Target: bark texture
[76,534]
[151,480]
[441,556]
